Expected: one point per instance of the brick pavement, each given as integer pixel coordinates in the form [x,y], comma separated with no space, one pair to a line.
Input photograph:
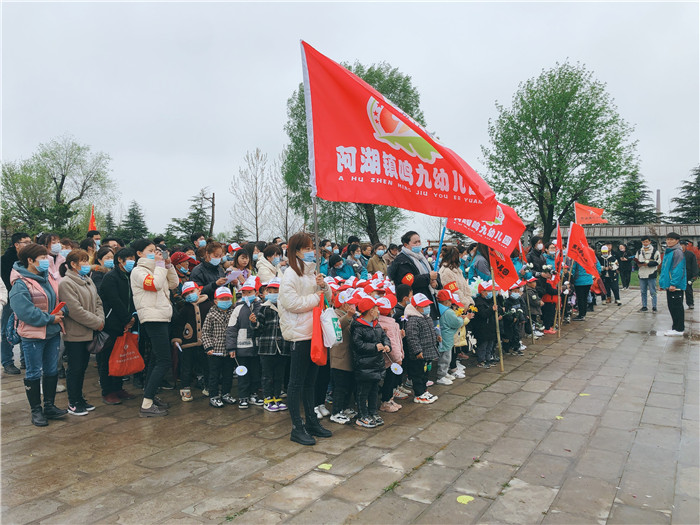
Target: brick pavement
[600,426]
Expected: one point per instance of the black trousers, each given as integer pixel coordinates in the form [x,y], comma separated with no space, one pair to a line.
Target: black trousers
[78,359]
[220,372]
[625,275]
[322,380]
[272,374]
[582,298]
[188,358]
[612,286]
[391,381]
[675,307]
[250,383]
[108,383]
[415,368]
[159,360]
[689,295]
[302,382]
[367,392]
[343,387]
[548,312]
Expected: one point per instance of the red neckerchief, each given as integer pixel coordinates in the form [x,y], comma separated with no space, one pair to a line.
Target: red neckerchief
[361,320]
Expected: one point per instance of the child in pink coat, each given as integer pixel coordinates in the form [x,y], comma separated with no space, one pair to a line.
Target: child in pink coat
[393,331]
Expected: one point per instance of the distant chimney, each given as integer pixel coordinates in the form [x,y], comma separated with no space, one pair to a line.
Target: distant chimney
[658,206]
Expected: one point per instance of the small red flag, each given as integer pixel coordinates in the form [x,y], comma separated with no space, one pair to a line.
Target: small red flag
[588,214]
[502,234]
[504,272]
[579,251]
[93,224]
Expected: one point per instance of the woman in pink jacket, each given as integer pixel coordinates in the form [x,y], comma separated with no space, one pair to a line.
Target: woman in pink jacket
[393,330]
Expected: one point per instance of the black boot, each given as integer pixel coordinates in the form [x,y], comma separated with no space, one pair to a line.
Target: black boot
[34,396]
[314,428]
[51,411]
[301,436]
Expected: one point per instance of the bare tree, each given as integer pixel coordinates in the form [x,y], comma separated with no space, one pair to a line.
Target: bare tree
[251,189]
[284,221]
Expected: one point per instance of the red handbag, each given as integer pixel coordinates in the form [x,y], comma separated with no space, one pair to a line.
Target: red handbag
[319,353]
[126,358]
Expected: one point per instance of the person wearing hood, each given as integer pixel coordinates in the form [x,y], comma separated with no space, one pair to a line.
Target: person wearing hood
[536,256]
[84,316]
[480,266]
[625,259]
[354,260]
[339,268]
[210,274]
[412,268]
[33,298]
[18,241]
[673,278]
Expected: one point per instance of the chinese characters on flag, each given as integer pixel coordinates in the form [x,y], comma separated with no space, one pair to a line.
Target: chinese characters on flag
[588,214]
[363,149]
[502,234]
[578,250]
[504,272]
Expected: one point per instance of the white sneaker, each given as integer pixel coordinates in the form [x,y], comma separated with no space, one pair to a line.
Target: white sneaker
[459,375]
[324,411]
[460,366]
[349,413]
[60,387]
[450,376]
[340,418]
[318,412]
[673,333]
[444,381]
[538,333]
[522,347]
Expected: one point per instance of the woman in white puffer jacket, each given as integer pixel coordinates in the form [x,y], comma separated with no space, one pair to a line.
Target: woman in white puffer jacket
[298,296]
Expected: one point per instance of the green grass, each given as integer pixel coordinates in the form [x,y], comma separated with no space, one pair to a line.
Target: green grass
[634,281]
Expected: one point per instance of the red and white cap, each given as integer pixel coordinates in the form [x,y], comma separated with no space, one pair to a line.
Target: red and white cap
[516,285]
[447,295]
[532,279]
[486,286]
[274,283]
[343,297]
[223,293]
[234,247]
[189,287]
[386,304]
[365,304]
[419,300]
[378,276]
[361,283]
[251,283]
[351,281]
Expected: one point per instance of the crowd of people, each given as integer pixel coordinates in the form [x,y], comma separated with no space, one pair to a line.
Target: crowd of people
[207,313]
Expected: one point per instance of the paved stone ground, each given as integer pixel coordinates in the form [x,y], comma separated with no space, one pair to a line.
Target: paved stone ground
[600,426]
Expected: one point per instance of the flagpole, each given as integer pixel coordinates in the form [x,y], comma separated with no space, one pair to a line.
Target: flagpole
[559,301]
[498,329]
[316,242]
[529,313]
[442,237]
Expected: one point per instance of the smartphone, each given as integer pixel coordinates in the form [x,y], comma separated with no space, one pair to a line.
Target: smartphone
[58,308]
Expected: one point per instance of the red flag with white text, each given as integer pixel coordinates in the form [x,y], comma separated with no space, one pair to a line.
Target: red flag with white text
[588,214]
[502,234]
[364,149]
[504,272]
[577,249]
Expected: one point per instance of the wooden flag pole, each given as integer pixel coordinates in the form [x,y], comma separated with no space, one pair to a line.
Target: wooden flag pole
[498,329]
[559,301]
[316,241]
[529,313]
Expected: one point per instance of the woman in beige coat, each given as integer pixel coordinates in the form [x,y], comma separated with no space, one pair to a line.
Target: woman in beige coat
[84,316]
[451,272]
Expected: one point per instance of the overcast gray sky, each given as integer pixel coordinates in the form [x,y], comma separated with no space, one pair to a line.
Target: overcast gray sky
[177,93]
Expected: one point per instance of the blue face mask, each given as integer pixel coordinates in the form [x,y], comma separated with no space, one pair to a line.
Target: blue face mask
[415,249]
[275,261]
[224,305]
[489,295]
[380,252]
[84,269]
[249,299]
[515,295]
[310,257]
[129,265]
[65,252]
[426,310]
[272,297]
[151,256]
[202,243]
[328,248]
[215,261]
[184,270]
[43,265]
[109,263]
[255,256]
[98,243]
[340,267]
[56,247]
[191,298]
[336,250]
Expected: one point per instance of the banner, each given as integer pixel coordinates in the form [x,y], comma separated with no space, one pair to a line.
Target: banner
[364,149]
[578,250]
[502,234]
[588,214]
[93,224]
[504,272]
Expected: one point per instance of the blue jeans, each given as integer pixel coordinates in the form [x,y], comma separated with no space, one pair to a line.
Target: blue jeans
[648,284]
[6,348]
[41,355]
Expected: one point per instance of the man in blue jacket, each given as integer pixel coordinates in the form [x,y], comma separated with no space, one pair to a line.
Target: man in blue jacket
[673,279]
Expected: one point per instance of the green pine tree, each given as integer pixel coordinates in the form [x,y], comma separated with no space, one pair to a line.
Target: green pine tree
[133,226]
[632,203]
[110,225]
[687,204]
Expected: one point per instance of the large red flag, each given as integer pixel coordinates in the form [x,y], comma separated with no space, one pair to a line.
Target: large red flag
[588,214]
[579,251]
[93,223]
[364,149]
[504,272]
[502,234]
[560,251]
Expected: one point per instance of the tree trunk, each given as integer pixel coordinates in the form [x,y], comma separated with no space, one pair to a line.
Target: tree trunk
[371,223]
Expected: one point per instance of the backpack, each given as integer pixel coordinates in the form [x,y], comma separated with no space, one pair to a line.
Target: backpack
[11,330]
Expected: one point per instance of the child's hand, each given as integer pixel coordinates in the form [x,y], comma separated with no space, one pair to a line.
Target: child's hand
[221,282]
[541,303]
[403,333]
[494,308]
[420,356]
[470,315]
[253,319]
[500,317]
[439,339]
[210,352]
[232,354]
[380,347]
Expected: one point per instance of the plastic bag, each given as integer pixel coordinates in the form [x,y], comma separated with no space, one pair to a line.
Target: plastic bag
[125,358]
[332,333]
[319,353]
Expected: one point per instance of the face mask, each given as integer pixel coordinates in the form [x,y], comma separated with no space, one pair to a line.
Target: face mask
[215,261]
[430,252]
[309,257]
[328,248]
[56,247]
[109,263]
[129,265]
[336,250]
[380,252]
[202,243]
[255,256]
[151,256]
[539,246]
[272,297]
[98,243]
[249,300]
[43,265]
[489,295]
[191,298]
[465,258]
[224,305]
[275,261]
[184,270]
[515,295]
[552,252]
[84,269]
[415,249]
[340,267]
[65,252]
[426,310]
